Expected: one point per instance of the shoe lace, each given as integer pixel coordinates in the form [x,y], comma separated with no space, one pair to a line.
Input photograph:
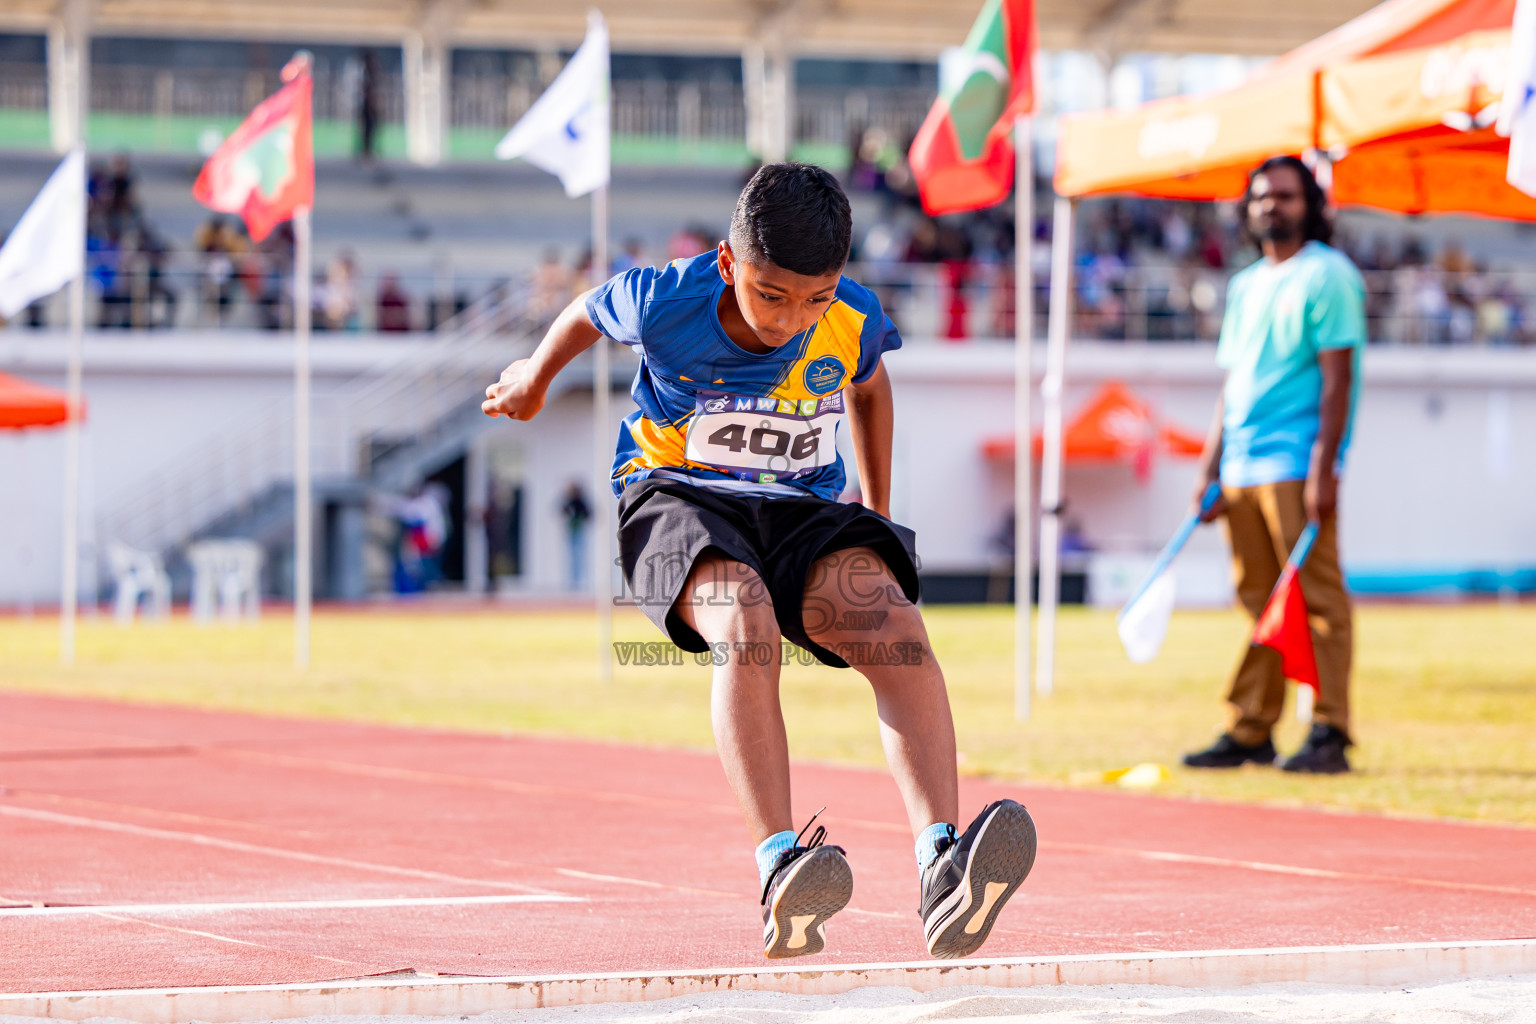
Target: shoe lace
[794,852]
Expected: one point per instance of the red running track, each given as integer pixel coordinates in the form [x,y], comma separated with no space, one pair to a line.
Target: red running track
[538,856]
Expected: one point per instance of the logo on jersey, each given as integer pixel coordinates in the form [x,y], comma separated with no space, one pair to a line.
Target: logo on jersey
[823,375]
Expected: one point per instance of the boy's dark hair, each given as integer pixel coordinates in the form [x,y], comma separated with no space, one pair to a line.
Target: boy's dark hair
[1316,226]
[793,216]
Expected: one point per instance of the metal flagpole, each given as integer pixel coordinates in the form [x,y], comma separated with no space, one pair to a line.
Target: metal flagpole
[303,520]
[602,454]
[1023,420]
[71,595]
[1050,457]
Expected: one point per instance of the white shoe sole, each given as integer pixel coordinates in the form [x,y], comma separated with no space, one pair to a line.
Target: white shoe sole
[1000,860]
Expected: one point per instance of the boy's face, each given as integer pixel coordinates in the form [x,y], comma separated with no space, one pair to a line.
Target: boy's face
[776,303]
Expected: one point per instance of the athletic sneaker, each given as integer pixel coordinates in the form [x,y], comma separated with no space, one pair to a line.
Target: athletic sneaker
[1322,754]
[805,886]
[1226,752]
[973,876]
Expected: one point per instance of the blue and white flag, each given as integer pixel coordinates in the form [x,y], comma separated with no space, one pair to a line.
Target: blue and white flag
[1517,111]
[1143,622]
[566,130]
[46,249]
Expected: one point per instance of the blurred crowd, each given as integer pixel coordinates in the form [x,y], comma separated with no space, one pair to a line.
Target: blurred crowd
[1145,269]
[140,281]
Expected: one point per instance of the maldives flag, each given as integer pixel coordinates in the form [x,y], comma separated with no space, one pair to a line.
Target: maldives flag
[266,168]
[1283,624]
[962,156]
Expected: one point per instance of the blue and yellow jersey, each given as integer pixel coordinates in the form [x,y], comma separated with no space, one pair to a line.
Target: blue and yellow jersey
[712,410]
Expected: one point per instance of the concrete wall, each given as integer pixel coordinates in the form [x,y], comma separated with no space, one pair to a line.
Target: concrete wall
[1441,479]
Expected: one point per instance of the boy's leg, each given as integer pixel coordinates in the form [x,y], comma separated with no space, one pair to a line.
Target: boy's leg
[855,608]
[726,603]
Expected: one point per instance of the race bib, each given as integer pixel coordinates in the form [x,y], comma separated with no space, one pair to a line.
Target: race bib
[764,439]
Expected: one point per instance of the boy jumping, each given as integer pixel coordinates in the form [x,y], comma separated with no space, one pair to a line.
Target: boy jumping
[731,536]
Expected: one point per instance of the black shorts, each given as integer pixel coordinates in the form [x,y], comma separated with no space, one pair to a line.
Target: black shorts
[666,525]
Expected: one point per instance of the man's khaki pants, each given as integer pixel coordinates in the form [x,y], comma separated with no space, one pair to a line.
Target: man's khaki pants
[1263,525]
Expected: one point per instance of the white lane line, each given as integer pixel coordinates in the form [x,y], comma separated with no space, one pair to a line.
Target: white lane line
[225,908]
[1288,869]
[198,839]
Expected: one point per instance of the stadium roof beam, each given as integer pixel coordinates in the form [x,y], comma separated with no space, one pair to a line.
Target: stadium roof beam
[849,28]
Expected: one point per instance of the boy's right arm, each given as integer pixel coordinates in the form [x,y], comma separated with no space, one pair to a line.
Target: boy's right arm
[519,394]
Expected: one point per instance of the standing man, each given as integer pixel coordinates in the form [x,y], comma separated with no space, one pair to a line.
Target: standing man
[1290,343]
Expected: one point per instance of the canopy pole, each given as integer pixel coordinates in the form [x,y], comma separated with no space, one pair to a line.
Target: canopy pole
[1050,460]
[69,600]
[303,518]
[602,452]
[1023,419]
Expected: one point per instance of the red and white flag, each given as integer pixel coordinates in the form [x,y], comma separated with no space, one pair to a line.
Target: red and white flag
[266,168]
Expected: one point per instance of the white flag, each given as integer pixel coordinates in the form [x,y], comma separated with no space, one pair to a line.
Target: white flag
[1517,111]
[1143,624]
[47,248]
[565,132]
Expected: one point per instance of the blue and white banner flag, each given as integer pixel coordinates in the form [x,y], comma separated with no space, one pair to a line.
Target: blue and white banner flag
[46,249]
[1517,111]
[566,130]
[1143,622]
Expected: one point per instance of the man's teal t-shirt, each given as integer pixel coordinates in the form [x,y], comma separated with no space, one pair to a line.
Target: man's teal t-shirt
[1279,317]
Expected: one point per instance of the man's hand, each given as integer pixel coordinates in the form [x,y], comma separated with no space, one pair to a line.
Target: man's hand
[1320,495]
[517,395]
[1218,507]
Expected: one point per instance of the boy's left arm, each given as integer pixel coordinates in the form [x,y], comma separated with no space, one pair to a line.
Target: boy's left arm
[871,417]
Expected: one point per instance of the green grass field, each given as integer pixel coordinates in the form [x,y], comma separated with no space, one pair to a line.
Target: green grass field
[1445,697]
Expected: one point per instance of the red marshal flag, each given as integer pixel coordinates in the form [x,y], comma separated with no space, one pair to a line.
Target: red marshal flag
[1283,626]
[962,156]
[266,168]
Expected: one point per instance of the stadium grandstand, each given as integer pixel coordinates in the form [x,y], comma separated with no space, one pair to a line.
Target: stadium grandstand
[425,246]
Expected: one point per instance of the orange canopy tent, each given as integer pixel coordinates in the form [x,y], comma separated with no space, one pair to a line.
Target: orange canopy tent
[25,404]
[1391,96]
[1115,426]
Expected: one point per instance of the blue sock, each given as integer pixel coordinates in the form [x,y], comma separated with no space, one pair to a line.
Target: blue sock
[928,842]
[768,852]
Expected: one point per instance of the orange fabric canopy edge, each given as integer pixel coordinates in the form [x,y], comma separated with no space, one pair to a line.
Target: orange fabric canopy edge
[1410,130]
[25,404]
[1115,426]
[1202,147]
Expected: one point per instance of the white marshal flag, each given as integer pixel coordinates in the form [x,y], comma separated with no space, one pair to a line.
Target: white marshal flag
[565,132]
[1517,112]
[47,248]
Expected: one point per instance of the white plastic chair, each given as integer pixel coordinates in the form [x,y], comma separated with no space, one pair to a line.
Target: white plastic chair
[137,575]
[226,580]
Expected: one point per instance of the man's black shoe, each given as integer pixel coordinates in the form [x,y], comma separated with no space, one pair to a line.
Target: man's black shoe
[973,876]
[1228,753]
[806,885]
[1322,754]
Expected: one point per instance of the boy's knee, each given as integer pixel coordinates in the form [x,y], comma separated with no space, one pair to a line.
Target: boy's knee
[726,601]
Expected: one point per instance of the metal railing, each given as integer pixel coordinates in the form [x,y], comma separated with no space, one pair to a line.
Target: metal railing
[221,474]
[182,289]
[1411,305]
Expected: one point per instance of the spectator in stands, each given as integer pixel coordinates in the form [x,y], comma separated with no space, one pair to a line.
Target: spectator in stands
[552,287]
[217,242]
[394,312]
[633,256]
[338,301]
[368,106]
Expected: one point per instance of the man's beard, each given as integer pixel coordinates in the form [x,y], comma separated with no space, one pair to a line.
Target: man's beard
[1275,230]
